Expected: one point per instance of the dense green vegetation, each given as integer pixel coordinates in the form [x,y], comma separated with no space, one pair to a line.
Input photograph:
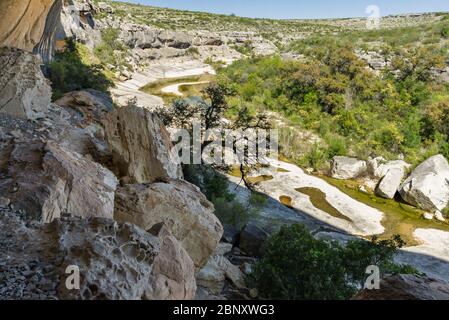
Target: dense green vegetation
[332,93]
[75,69]
[297,266]
[111,51]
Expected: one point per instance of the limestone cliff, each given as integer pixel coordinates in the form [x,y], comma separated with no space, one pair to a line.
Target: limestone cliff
[23,22]
[40,26]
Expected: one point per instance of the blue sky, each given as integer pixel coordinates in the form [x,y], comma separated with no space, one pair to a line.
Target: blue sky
[284,9]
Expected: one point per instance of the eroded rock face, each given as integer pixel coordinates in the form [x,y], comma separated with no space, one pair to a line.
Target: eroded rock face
[428,185]
[77,23]
[45,180]
[143,37]
[24,91]
[141,146]
[31,25]
[347,168]
[116,261]
[407,287]
[89,105]
[181,206]
[22,22]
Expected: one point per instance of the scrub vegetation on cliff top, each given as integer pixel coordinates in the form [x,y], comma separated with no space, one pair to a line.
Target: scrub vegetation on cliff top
[352,109]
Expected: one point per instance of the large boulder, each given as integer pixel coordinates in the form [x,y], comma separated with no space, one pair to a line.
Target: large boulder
[213,275]
[141,146]
[347,168]
[379,167]
[252,238]
[407,287]
[390,183]
[86,106]
[115,261]
[428,185]
[79,124]
[22,23]
[218,268]
[391,174]
[181,206]
[45,180]
[24,91]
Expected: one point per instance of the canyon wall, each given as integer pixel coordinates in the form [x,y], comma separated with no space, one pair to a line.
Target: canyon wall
[23,22]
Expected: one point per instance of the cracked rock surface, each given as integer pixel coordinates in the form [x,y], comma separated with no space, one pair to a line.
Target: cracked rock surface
[115,260]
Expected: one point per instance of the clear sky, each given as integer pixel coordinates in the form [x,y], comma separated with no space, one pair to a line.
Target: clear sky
[285,9]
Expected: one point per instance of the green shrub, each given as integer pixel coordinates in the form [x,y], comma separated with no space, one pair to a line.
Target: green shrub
[446,212]
[296,266]
[216,188]
[336,146]
[212,183]
[109,50]
[193,51]
[445,31]
[258,200]
[69,71]
[315,158]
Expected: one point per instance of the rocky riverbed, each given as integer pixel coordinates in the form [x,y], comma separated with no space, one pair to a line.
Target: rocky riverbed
[84,183]
[349,218]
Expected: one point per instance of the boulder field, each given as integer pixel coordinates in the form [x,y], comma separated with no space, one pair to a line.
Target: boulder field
[88,185]
[426,187]
[67,176]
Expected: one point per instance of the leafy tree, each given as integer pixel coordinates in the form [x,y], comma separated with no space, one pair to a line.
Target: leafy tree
[297,266]
[438,114]
[71,70]
[210,112]
[331,90]
[445,31]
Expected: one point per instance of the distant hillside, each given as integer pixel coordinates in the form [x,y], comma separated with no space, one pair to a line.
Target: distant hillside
[275,30]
